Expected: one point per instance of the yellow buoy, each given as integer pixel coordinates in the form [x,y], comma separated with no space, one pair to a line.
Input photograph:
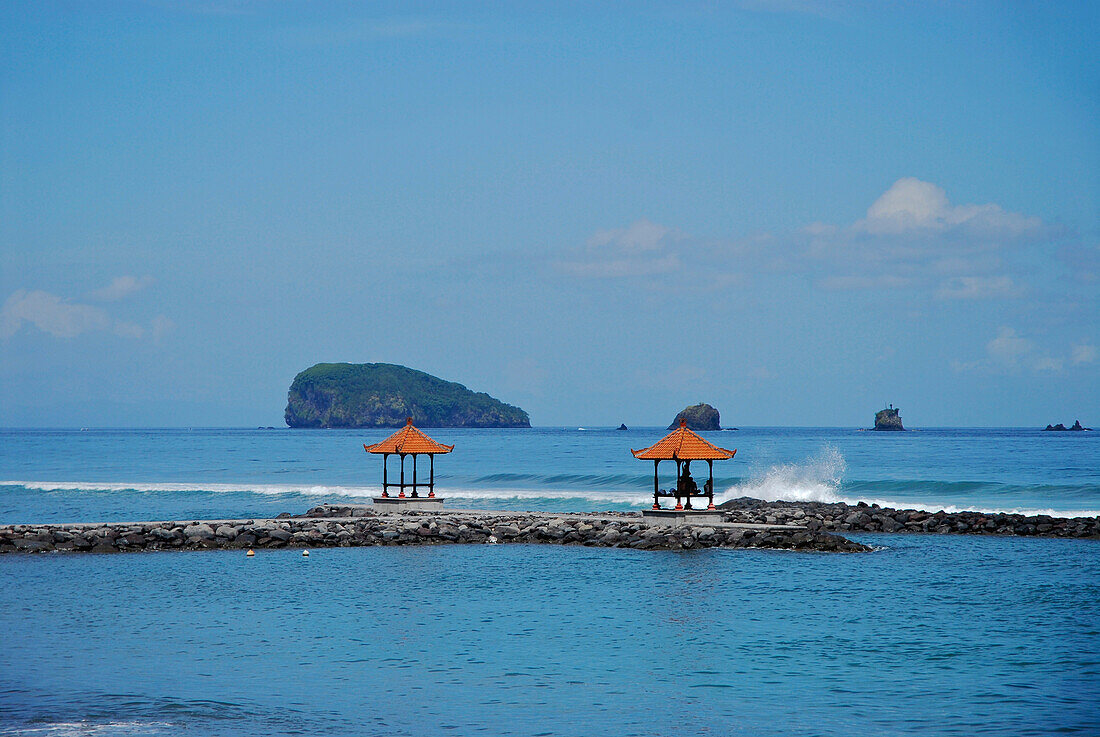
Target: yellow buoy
[305,553]
[250,553]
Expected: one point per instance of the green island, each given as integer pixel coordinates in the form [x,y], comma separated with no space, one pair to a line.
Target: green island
[384,395]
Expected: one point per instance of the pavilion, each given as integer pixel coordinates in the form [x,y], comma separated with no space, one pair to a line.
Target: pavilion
[683,446]
[408,441]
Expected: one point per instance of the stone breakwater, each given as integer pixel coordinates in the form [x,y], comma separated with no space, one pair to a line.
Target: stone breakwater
[862,517]
[607,530]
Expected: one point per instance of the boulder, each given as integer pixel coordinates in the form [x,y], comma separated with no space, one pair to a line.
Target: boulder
[200,531]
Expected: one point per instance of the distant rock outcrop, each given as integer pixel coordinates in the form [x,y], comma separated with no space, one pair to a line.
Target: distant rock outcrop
[384,394]
[623,426]
[888,419]
[698,417]
[1062,428]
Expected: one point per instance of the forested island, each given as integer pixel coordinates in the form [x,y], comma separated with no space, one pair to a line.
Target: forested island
[385,394]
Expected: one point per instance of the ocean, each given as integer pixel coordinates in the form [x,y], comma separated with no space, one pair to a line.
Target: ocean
[950,635]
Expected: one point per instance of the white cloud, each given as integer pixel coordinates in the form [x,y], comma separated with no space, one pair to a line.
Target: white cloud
[881,281]
[913,205]
[978,287]
[641,249]
[914,236]
[63,318]
[1083,353]
[51,314]
[120,288]
[1008,347]
[128,330]
[641,236]
[1046,363]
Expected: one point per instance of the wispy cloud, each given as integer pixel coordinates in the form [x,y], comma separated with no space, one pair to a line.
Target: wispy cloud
[1008,347]
[642,249]
[1010,352]
[51,314]
[120,288]
[1084,353]
[62,317]
[1082,262]
[912,237]
[978,287]
[369,30]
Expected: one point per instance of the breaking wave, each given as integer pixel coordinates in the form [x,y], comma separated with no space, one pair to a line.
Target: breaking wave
[820,478]
[817,479]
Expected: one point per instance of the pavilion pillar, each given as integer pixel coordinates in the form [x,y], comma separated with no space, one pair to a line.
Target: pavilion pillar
[656,486]
[679,484]
[431,475]
[687,489]
[402,494]
[710,484]
[414,475]
[385,471]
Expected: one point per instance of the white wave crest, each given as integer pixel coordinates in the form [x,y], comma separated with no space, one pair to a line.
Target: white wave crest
[816,479]
[633,498]
[87,728]
[272,489]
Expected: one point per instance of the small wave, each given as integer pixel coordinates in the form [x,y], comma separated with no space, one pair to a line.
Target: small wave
[87,728]
[817,479]
[142,487]
[633,498]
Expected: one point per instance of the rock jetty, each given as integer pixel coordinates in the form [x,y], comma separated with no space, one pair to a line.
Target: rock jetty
[698,417]
[327,527]
[862,517]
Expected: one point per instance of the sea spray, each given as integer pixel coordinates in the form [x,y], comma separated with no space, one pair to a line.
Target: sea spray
[820,478]
[816,479]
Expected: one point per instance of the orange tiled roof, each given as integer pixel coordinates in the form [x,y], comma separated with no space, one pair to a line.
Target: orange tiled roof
[684,445]
[408,440]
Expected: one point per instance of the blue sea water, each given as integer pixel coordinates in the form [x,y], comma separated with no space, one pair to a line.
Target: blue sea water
[69,475]
[946,635]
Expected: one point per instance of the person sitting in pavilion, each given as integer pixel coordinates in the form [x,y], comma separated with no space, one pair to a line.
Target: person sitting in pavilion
[687,483]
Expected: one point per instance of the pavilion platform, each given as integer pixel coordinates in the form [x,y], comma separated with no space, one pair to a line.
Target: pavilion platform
[681,517]
[408,503]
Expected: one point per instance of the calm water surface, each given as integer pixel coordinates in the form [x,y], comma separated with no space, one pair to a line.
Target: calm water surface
[932,635]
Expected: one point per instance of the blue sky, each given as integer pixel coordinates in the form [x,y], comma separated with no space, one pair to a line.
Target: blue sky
[796,211]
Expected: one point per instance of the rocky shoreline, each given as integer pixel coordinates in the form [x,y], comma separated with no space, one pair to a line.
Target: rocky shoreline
[840,517]
[344,527]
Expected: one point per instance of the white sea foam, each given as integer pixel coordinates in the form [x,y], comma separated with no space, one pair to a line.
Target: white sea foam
[819,478]
[816,479]
[635,498]
[271,489]
[87,728]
